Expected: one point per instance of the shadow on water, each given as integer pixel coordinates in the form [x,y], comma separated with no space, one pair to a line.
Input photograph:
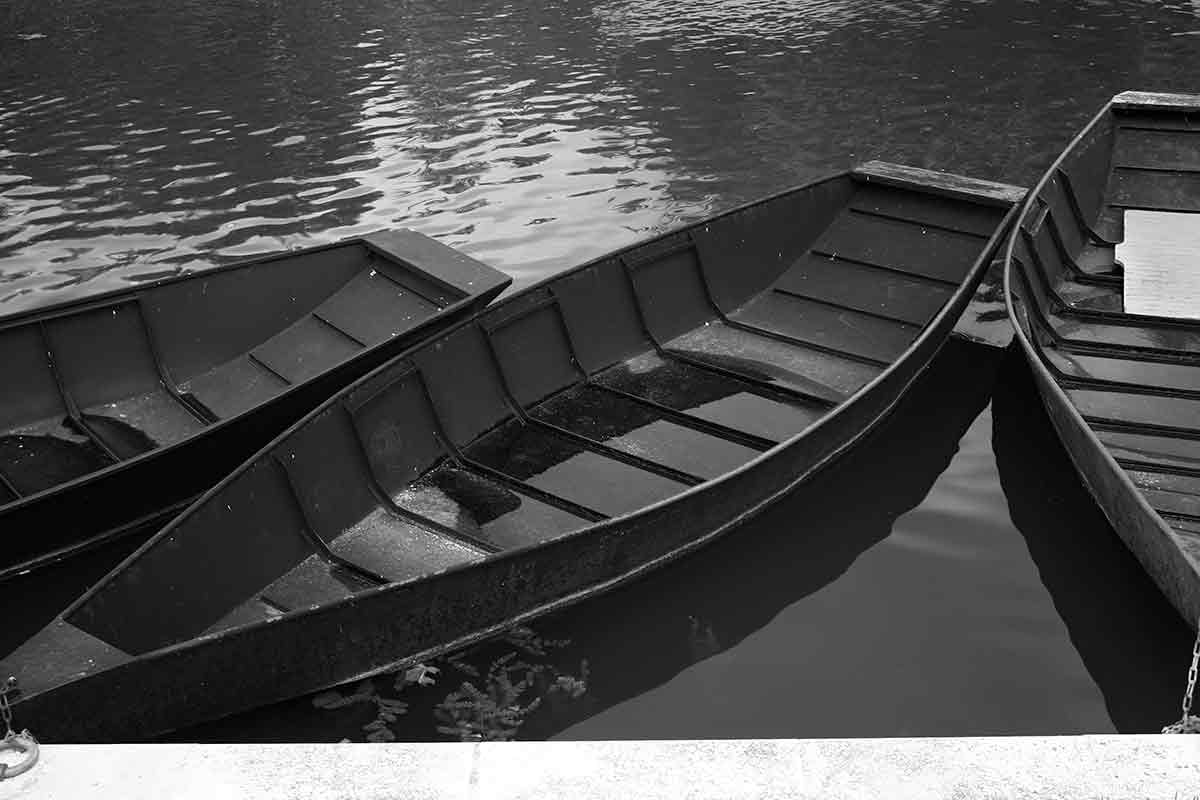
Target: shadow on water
[631,640]
[1131,640]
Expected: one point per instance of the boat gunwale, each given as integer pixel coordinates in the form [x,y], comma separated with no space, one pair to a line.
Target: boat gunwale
[954,305]
[1049,385]
[113,297]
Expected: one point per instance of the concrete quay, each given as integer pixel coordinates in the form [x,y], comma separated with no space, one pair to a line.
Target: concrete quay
[1055,768]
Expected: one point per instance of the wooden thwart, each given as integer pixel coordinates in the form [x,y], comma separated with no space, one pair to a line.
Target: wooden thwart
[1157,101]
[940,182]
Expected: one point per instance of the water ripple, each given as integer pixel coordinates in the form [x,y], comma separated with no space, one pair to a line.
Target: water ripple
[530,137]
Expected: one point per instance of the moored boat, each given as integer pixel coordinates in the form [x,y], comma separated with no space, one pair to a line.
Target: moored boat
[1118,375]
[119,409]
[570,438]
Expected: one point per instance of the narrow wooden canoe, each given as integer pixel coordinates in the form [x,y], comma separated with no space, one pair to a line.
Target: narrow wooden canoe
[119,409]
[570,438]
[1122,389]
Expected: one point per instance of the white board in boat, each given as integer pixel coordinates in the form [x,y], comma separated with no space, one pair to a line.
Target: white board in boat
[1161,256]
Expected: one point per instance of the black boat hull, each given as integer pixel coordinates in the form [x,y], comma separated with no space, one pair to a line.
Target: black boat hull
[234,665]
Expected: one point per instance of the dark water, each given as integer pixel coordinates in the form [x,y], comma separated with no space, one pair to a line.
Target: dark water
[953,578]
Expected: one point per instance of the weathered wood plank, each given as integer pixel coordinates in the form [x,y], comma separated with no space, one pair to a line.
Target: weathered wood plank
[942,183]
[907,298]
[1157,100]
[445,265]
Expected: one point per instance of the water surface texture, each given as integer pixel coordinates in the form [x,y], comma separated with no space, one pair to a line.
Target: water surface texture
[952,579]
[141,138]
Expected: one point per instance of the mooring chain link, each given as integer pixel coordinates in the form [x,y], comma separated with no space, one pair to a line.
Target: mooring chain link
[5,708]
[1191,684]
[1188,723]
[22,742]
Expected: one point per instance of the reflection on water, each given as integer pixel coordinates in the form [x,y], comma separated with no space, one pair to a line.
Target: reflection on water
[140,139]
[1134,645]
[231,128]
[531,136]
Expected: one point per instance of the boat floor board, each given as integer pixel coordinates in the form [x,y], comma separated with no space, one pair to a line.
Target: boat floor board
[310,583]
[710,397]
[568,470]
[1131,372]
[640,431]
[235,386]
[904,246]
[373,308]
[841,330]
[1175,413]
[1151,450]
[156,418]
[483,509]
[1173,504]
[305,349]
[1168,342]
[1162,481]
[395,548]
[862,287]
[823,376]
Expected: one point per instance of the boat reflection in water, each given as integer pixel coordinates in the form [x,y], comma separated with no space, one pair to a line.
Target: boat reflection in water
[1131,641]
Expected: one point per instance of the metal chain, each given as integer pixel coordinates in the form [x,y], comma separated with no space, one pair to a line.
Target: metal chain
[6,709]
[22,742]
[1191,686]
[1187,723]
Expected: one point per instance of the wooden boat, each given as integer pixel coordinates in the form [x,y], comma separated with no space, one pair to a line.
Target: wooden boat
[569,438]
[119,409]
[1122,389]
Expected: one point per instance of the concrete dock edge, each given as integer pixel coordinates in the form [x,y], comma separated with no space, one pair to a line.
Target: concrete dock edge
[1062,768]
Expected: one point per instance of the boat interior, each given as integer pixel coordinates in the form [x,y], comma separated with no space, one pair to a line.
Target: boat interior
[103,381]
[610,388]
[1135,378]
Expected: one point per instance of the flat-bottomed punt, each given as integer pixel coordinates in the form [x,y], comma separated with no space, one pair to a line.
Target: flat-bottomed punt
[118,410]
[565,440]
[1122,388]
